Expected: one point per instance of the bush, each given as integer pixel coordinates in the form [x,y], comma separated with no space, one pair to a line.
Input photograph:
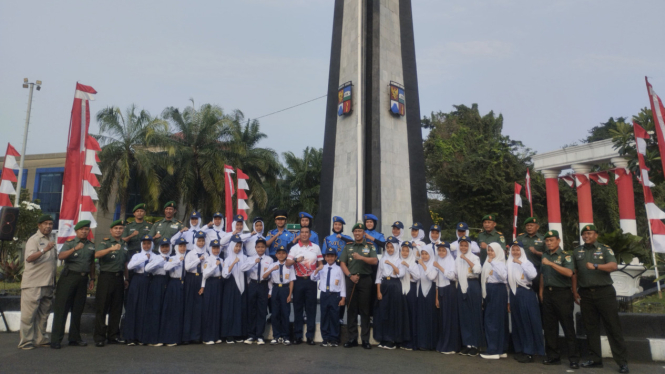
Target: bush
[11,259]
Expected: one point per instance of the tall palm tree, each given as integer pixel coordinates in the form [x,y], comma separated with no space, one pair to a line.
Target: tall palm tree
[302,176]
[125,159]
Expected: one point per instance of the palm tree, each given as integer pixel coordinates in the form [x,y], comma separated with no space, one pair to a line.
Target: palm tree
[125,158]
[302,177]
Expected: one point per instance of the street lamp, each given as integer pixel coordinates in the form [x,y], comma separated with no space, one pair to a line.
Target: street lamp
[26,84]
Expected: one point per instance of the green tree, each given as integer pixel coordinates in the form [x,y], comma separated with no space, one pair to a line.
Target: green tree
[125,157]
[302,181]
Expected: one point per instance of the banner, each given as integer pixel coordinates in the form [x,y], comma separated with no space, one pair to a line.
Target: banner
[8,176]
[518,204]
[229,192]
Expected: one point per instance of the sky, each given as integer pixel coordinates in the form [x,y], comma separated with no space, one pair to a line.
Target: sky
[553,69]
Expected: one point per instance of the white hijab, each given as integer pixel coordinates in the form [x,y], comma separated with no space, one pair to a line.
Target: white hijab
[500,256]
[406,279]
[425,282]
[238,274]
[462,267]
[399,237]
[259,234]
[196,227]
[516,273]
[447,263]
[394,259]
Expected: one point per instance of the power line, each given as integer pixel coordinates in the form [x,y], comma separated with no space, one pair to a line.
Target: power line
[291,107]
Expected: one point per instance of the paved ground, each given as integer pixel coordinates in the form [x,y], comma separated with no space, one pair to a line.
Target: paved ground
[241,358]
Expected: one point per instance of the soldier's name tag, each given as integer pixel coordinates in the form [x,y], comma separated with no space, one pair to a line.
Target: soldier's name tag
[365,251]
[336,282]
[286,276]
[130,230]
[41,244]
[175,226]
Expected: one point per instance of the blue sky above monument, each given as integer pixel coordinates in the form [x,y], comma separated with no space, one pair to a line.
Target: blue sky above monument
[553,70]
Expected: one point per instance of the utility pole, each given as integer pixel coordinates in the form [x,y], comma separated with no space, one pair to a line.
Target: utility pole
[26,84]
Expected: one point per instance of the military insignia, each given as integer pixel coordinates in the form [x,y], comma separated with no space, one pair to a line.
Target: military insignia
[365,250]
[397,99]
[522,275]
[461,225]
[550,233]
[568,258]
[336,282]
[610,251]
[490,216]
[491,272]
[600,257]
[205,265]
[170,260]
[588,228]
[344,99]
[286,276]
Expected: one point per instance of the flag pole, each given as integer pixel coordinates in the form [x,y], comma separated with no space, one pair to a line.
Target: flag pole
[653,254]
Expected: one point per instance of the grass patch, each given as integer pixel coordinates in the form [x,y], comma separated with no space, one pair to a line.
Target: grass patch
[14,288]
[650,304]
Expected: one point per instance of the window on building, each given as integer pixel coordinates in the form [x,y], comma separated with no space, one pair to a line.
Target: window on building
[48,189]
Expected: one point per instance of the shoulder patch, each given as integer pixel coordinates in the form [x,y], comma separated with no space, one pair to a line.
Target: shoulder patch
[520,234]
[70,240]
[568,258]
[170,260]
[610,250]
[107,238]
[499,232]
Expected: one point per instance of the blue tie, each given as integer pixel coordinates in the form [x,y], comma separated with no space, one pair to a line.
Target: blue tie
[220,264]
[328,280]
[281,280]
[258,270]
[182,274]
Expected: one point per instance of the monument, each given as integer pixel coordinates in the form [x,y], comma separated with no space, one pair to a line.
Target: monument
[373,158]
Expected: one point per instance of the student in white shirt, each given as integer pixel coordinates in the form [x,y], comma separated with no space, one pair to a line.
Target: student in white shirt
[469,298]
[137,294]
[333,295]
[449,338]
[211,289]
[256,234]
[493,281]
[170,331]
[257,291]
[428,321]
[391,314]
[234,302]
[282,277]
[191,328]
[156,293]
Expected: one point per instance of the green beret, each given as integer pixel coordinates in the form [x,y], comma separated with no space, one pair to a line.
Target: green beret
[139,206]
[530,220]
[44,217]
[590,227]
[117,222]
[170,204]
[358,226]
[552,234]
[82,224]
[489,217]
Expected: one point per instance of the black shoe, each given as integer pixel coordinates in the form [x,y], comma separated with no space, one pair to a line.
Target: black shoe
[574,365]
[78,343]
[351,343]
[592,364]
[518,356]
[325,344]
[464,351]
[55,345]
[552,361]
[115,341]
[473,351]
[297,342]
[196,342]
[623,369]
[99,344]
[310,341]
[525,359]
[366,345]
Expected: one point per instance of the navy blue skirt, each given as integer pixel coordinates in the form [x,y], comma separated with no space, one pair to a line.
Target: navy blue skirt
[170,326]
[153,311]
[496,310]
[137,297]
[428,320]
[412,304]
[527,326]
[191,328]
[212,308]
[234,310]
[471,314]
[449,335]
[391,313]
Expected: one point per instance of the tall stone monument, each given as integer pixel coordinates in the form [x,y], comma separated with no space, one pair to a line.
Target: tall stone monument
[373,158]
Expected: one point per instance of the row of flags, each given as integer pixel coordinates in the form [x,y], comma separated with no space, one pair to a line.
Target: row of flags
[241,204]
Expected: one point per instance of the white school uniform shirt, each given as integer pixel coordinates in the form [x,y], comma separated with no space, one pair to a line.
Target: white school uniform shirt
[214,232]
[156,264]
[384,270]
[288,275]
[174,266]
[192,260]
[189,236]
[139,261]
[250,267]
[454,246]
[444,278]
[337,282]
[227,245]
[211,269]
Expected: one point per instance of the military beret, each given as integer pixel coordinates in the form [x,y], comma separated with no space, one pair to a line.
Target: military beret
[215,243]
[260,240]
[530,220]
[462,226]
[281,248]
[44,218]
[236,238]
[398,225]
[330,251]
[181,241]
[339,219]
[358,226]
[146,238]
[552,234]
[443,244]
[82,224]
[590,227]
[407,244]
[464,238]
[489,217]
[435,228]
[280,214]
[196,215]
[417,226]
[257,219]
[218,215]
[200,234]
[117,222]
[170,204]
[371,216]
[138,206]
[238,218]
[305,215]
[392,239]
[166,241]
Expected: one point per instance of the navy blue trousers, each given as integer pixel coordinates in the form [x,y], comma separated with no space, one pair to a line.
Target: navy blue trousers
[137,298]
[257,300]
[170,331]
[280,311]
[471,314]
[527,325]
[329,316]
[304,299]
[212,309]
[153,311]
[496,311]
[449,335]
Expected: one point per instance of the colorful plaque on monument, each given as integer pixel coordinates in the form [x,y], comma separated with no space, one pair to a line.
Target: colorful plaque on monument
[344,99]
[397,99]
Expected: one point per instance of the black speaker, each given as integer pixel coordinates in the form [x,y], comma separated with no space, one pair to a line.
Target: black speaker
[8,222]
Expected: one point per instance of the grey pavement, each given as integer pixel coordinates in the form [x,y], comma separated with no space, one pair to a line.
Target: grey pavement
[241,358]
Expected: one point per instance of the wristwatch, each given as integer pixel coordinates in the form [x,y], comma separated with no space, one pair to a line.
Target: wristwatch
[41,250]
[595,266]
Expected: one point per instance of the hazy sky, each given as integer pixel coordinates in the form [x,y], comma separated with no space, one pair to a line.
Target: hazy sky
[553,69]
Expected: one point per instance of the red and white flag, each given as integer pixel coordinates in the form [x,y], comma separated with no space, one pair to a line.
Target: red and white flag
[654,213]
[79,180]
[229,192]
[8,176]
[569,180]
[243,187]
[518,204]
[658,111]
[581,180]
[528,190]
[601,177]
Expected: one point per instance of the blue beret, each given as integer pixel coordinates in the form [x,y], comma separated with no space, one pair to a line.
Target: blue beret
[339,219]
[238,218]
[236,238]
[215,243]
[417,226]
[392,239]
[195,215]
[280,248]
[435,228]
[407,244]
[462,226]
[146,238]
[516,242]
[181,241]
[330,251]
[398,224]
[256,219]
[465,239]
[371,216]
[166,241]
[218,215]
[200,234]
[305,215]
[443,244]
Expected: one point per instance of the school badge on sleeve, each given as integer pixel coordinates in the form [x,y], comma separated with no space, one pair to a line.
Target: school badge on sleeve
[344,99]
[397,99]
